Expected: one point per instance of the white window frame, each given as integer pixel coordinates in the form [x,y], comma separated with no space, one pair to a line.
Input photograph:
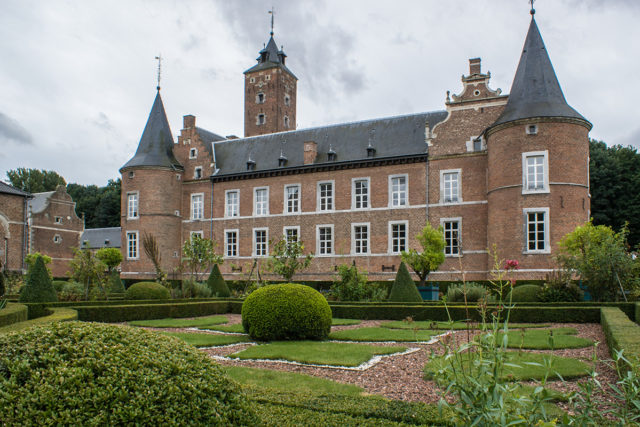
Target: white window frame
[57,220]
[193,153]
[261,100]
[353,237]
[547,231]
[198,233]
[286,199]
[458,172]
[136,243]
[333,196]
[459,221]
[545,172]
[226,242]
[195,172]
[255,247]
[264,119]
[331,242]
[137,205]
[57,239]
[193,210]
[354,196]
[227,205]
[293,227]
[406,190]
[255,201]
[285,121]
[406,236]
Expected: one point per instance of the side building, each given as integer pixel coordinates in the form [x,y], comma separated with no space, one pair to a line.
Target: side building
[13,228]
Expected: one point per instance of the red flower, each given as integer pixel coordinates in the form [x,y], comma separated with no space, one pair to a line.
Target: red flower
[511,264]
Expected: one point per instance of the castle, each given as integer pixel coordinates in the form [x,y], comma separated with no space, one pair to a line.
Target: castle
[491,169]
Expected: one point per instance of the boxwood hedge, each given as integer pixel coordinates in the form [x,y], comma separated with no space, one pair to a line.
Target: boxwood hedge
[13,313]
[621,333]
[147,290]
[56,315]
[124,313]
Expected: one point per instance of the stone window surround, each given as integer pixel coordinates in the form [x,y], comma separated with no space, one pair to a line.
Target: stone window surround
[197,209]
[286,210]
[131,203]
[391,238]
[291,227]
[231,245]
[546,230]
[133,252]
[330,199]
[227,205]
[545,172]
[458,173]
[265,243]
[457,220]
[406,190]
[256,211]
[367,194]
[367,240]
[318,241]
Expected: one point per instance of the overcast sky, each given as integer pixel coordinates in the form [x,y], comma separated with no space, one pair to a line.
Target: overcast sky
[78,77]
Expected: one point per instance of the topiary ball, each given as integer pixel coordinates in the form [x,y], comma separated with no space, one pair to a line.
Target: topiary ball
[75,373]
[286,312]
[525,293]
[147,290]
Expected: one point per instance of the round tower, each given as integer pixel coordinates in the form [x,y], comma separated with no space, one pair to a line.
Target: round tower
[151,197]
[538,165]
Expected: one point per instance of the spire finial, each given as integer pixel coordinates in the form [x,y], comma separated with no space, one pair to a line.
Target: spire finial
[272,12]
[159,58]
[532,11]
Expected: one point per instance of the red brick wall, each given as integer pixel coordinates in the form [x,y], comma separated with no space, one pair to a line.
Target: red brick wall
[12,231]
[279,84]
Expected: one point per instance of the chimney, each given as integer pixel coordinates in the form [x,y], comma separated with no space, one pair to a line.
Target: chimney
[310,152]
[189,121]
[474,66]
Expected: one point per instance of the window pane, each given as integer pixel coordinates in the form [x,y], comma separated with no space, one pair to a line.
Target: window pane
[399,191]
[325,239]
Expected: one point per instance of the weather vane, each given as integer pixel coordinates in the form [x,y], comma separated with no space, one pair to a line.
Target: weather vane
[272,12]
[159,58]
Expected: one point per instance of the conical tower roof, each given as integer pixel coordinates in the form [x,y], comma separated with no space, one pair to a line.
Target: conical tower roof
[156,144]
[535,91]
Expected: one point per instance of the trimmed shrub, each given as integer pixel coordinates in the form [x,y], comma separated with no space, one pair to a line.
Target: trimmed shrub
[13,313]
[286,312]
[54,315]
[147,290]
[404,289]
[475,292]
[217,283]
[621,333]
[114,285]
[71,291]
[38,287]
[525,293]
[569,292]
[124,312]
[75,373]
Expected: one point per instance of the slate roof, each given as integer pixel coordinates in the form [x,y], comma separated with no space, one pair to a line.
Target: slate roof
[391,137]
[208,138]
[535,91]
[156,144]
[272,58]
[102,237]
[9,189]
[40,201]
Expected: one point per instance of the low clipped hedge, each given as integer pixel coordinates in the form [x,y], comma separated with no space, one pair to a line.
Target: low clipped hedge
[56,315]
[13,313]
[124,313]
[621,333]
[75,373]
[147,290]
[286,312]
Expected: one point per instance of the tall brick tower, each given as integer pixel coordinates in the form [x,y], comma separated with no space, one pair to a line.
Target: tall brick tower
[538,157]
[269,93]
[151,195]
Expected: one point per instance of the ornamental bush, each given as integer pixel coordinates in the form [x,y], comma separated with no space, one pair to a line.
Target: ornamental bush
[217,283]
[404,289]
[475,292]
[74,373]
[147,290]
[286,312]
[71,291]
[114,284]
[38,287]
[58,285]
[525,293]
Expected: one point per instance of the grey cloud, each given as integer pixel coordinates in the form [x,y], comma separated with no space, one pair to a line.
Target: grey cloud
[11,130]
[102,121]
[632,139]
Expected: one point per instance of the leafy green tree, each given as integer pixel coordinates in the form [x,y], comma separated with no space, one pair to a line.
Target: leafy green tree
[99,205]
[198,255]
[217,283]
[404,289]
[111,257]
[599,256]
[35,180]
[31,258]
[352,285]
[38,286]
[432,255]
[285,258]
[87,269]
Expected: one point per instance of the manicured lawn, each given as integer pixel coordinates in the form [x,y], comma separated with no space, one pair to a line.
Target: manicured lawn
[428,324]
[530,366]
[345,322]
[316,352]
[236,329]
[383,334]
[206,340]
[181,323]
[538,339]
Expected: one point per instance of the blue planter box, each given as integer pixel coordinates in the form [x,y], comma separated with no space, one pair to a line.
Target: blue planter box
[429,293]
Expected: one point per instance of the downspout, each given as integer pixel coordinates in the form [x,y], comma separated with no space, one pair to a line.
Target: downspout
[211,213]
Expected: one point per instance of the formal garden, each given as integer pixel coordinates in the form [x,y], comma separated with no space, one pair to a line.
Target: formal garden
[91,350]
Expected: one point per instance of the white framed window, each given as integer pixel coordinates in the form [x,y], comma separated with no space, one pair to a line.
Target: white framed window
[196,234]
[261,119]
[531,129]
[261,201]
[291,234]
[232,203]
[287,100]
[360,193]
[267,77]
[535,172]
[536,222]
[260,98]
[193,153]
[324,239]
[451,228]
[231,243]
[325,196]
[57,239]
[132,245]
[260,242]
[57,219]
[450,186]
[398,185]
[197,172]
[292,198]
[252,79]
[197,206]
[398,236]
[132,205]
[286,121]
[360,238]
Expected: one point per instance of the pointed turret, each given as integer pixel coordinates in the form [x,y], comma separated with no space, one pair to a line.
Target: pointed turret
[156,144]
[535,91]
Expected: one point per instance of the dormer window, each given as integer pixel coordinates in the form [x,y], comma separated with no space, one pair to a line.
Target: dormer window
[532,129]
[371,151]
[251,165]
[282,161]
[331,154]
[106,242]
[193,153]
[261,119]
[197,173]
[260,98]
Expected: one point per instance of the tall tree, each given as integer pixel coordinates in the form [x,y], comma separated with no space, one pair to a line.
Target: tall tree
[99,205]
[432,255]
[35,180]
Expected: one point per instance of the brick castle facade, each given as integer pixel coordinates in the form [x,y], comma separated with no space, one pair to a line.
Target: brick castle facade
[491,169]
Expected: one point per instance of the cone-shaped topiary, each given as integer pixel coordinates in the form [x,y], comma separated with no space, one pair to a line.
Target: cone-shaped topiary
[38,286]
[403,288]
[115,284]
[217,284]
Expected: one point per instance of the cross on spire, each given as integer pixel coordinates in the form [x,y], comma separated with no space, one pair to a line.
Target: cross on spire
[272,12]
[159,58]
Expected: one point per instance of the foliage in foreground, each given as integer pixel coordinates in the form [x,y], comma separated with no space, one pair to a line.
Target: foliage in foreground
[38,286]
[94,374]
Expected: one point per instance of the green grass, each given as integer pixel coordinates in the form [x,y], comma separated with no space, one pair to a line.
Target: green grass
[316,352]
[567,367]
[345,322]
[383,334]
[236,328]
[181,323]
[428,324]
[206,340]
[538,339]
